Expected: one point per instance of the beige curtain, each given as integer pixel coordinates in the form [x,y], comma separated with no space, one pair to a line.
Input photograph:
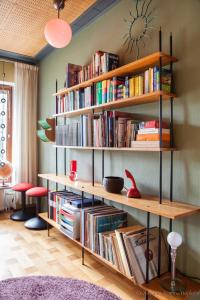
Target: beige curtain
[25,123]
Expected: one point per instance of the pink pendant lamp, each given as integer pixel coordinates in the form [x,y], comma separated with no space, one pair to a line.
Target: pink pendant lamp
[57,32]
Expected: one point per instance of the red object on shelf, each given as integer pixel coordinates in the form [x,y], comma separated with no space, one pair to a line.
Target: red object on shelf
[73,170]
[73,166]
[133,191]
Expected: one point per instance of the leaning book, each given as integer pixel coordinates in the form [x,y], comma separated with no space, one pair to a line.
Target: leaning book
[136,246]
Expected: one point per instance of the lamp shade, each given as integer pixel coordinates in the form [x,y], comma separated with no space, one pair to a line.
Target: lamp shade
[174,239]
[58,33]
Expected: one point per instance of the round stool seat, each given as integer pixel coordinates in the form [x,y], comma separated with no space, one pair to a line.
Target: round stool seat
[22,187]
[37,192]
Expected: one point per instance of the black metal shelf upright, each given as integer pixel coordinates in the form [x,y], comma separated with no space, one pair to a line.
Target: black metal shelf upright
[148,214]
[161,162]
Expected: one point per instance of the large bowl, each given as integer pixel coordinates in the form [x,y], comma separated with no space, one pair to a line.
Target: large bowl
[113,184]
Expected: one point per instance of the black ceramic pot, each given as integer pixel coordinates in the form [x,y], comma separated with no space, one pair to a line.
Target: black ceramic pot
[113,184]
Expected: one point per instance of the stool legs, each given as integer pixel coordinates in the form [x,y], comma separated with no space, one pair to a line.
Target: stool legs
[22,215]
[36,223]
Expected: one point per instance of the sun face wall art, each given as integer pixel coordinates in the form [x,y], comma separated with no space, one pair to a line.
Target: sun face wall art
[139,26]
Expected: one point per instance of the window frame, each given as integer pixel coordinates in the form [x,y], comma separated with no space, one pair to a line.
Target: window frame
[9,90]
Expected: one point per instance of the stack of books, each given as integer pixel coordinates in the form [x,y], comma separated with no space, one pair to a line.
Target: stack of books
[65,208]
[95,220]
[126,247]
[148,134]
[70,221]
[57,199]
[109,129]
[115,89]
[102,62]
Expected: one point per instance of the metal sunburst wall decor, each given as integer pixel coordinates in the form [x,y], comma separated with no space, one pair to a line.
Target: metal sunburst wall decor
[139,26]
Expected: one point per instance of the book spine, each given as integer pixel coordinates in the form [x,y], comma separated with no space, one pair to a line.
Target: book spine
[153,137]
[104,91]
[126,87]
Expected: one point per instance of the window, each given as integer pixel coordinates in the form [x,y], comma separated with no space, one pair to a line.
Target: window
[6,123]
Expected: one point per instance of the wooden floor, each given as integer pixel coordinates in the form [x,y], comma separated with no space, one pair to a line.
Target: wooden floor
[24,252]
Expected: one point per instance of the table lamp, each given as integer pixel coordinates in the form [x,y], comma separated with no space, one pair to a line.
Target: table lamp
[172,283]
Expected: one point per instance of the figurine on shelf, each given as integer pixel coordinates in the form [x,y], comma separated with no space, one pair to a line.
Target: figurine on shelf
[73,170]
[133,191]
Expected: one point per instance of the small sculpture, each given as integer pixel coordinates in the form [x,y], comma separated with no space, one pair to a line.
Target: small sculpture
[133,191]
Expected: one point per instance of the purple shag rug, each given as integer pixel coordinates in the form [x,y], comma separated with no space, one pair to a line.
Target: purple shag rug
[52,288]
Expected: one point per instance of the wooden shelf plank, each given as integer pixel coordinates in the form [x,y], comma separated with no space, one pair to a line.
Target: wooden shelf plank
[137,100]
[154,288]
[141,149]
[171,210]
[133,67]
[44,216]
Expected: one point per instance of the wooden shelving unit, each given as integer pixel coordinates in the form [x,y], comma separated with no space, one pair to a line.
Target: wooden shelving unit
[153,287]
[172,210]
[134,67]
[142,149]
[121,103]
[156,205]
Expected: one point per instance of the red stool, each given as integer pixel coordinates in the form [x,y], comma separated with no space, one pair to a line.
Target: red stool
[36,223]
[22,215]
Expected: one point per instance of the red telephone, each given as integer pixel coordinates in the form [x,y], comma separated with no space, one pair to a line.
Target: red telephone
[133,191]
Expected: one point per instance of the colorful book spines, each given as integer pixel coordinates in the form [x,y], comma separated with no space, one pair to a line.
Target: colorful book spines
[116,88]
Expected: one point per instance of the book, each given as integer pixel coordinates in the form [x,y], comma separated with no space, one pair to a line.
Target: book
[72,74]
[120,240]
[136,245]
[153,124]
[149,144]
[104,91]
[153,137]
[152,131]
[117,81]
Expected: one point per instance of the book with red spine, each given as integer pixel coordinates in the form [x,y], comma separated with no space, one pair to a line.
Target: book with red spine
[153,124]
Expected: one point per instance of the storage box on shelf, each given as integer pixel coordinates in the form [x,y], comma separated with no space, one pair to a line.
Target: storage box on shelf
[156,205]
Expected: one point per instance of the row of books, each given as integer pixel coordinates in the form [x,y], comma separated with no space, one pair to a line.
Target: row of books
[112,129]
[95,220]
[102,62]
[109,129]
[126,248]
[115,89]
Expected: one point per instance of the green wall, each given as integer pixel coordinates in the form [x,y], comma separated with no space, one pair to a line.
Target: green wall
[106,33]
[9,71]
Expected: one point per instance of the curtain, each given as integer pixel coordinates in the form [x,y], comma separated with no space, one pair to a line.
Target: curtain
[24,150]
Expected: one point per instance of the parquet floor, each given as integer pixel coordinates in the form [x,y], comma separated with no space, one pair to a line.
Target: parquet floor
[24,253]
